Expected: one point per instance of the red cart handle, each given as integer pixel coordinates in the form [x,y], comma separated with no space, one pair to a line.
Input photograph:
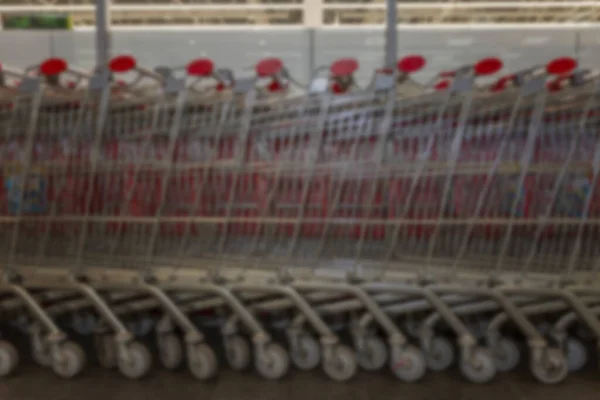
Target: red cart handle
[411,64]
[126,63]
[483,67]
[488,66]
[341,73]
[53,67]
[201,67]
[205,68]
[122,64]
[269,67]
[272,68]
[560,66]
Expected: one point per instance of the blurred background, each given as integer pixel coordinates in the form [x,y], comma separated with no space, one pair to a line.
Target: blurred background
[305,34]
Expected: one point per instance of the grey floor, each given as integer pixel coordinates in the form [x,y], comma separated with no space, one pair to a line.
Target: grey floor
[33,383]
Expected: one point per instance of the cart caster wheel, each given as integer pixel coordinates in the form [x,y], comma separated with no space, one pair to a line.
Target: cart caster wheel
[237,352]
[480,367]
[273,363]
[170,351]
[69,361]
[441,354]
[203,362]
[138,363]
[9,358]
[577,354]
[506,355]
[306,353]
[374,354]
[342,365]
[552,368]
[106,350]
[409,365]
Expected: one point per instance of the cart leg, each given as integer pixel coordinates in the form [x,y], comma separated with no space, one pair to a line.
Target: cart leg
[105,345]
[133,358]
[466,340]
[170,349]
[551,365]
[271,360]
[40,347]
[505,350]
[547,364]
[9,355]
[202,360]
[67,358]
[439,348]
[338,361]
[407,361]
[305,350]
[372,352]
[577,353]
[441,357]
[237,350]
[362,336]
[9,358]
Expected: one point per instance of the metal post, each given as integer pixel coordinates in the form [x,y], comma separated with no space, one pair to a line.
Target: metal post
[312,64]
[578,46]
[103,45]
[313,20]
[391,34]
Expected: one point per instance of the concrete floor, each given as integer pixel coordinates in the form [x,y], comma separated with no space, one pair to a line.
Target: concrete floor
[34,383]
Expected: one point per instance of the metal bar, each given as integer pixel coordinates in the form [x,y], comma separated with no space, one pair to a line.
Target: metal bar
[312,49]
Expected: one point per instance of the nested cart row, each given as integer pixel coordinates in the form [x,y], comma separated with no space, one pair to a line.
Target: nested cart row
[401,224]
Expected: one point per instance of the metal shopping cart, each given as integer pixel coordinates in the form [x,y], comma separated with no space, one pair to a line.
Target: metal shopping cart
[402,214]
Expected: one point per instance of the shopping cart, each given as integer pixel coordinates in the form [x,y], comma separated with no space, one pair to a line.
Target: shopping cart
[388,209]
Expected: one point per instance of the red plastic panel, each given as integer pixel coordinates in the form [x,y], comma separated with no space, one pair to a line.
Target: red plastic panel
[443,85]
[220,87]
[275,86]
[502,83]
[498,87]
[553,86]
[336,88]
